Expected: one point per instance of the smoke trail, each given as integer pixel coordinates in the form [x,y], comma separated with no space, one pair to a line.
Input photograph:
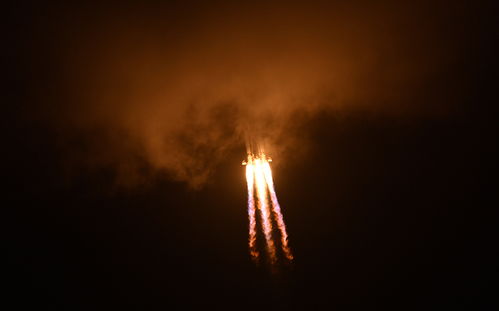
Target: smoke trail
[251,212]
[261,190]
[277,211]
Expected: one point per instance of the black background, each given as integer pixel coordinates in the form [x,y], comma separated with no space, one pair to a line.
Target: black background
[381,212]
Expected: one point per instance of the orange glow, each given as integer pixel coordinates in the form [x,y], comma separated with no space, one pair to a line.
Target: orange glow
[259,178]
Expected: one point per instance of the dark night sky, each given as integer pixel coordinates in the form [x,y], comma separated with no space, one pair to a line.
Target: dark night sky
[386,184]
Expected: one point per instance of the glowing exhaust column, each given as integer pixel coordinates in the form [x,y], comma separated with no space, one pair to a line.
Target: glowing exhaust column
[261,190]
[259,179]
[277,211]
[251,212]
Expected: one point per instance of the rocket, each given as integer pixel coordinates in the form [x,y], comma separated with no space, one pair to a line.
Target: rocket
[252,157]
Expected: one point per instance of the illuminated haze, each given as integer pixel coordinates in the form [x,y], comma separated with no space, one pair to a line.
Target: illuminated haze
[179,87]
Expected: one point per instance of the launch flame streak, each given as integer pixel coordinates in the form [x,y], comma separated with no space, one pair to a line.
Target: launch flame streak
[259,179]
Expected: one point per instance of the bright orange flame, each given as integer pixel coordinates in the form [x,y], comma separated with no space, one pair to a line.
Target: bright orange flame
[259,178]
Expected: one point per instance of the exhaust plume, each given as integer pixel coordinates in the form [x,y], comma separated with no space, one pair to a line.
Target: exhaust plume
[259,178]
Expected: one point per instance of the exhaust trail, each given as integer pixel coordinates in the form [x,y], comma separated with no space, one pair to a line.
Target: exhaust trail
[261,191]
[251,213]
[259,179]
[277,211]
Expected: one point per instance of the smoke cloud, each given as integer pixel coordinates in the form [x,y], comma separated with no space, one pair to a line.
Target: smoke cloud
[175,87]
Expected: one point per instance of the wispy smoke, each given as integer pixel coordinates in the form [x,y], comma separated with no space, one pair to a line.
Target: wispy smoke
[176,87]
